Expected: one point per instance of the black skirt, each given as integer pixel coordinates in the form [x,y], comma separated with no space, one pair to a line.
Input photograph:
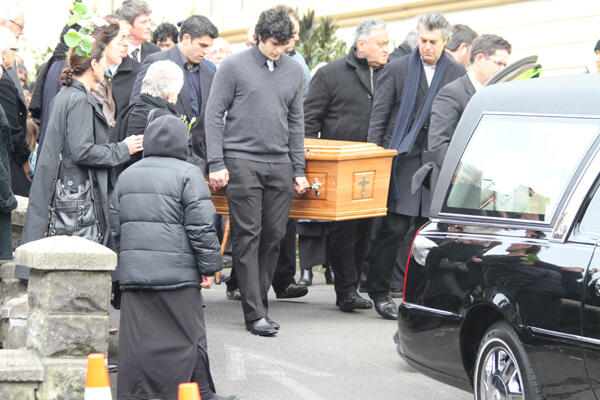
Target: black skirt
[161,335]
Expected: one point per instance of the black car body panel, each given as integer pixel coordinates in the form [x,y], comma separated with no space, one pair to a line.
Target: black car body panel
[525,251]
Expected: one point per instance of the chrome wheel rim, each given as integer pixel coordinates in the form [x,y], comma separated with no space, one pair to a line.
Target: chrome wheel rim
[500,376]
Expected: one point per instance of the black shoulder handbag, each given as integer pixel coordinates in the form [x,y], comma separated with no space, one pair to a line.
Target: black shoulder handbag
[74,213]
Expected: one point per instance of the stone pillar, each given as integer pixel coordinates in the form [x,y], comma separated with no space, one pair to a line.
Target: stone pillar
[20,375]
[17,217]
[69,299]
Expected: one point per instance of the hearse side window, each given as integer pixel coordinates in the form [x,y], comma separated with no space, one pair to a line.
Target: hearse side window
[519,166]
[589,227]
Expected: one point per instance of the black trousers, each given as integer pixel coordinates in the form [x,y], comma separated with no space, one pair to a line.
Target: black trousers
[286,262]
[393,238]
[259,196]
[348,242]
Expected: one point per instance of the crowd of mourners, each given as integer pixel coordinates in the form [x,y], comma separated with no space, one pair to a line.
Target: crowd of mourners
[121,142]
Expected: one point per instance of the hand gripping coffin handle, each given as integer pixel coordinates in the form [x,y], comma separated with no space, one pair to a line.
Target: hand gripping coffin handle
[315,186]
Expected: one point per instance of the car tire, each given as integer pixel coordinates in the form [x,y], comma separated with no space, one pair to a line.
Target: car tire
[502,367]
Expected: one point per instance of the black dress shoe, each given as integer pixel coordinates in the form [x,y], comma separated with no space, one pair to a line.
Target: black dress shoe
[329,276]
[292,291]
[260,327]
[275,324]
[352,301]
[386,307]
[306,277]
[233,294]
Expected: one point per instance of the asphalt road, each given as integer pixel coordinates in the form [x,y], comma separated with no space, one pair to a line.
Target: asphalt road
[320,353]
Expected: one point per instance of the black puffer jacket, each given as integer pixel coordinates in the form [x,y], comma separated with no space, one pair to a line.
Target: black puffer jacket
[162,215]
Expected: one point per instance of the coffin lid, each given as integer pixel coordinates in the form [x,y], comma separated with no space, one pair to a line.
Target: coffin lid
[322,149]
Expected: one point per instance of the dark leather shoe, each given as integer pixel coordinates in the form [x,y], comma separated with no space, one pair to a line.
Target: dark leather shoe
[260,327]
[275,324]
[329,276]
[306,278]
[386,307]
[352,301]
[233,294]
[292,291]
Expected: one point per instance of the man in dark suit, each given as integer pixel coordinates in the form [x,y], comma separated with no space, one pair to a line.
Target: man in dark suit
[489,54]
[460,43]
[137,14]
[338,105]
[400,120]
[195,38]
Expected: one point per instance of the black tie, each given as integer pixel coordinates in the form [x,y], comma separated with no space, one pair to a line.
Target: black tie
[135,54]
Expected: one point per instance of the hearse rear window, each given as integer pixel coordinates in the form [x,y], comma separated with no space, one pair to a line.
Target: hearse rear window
[519,166]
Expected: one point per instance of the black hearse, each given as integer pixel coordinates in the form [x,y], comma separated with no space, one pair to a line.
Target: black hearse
[502,288]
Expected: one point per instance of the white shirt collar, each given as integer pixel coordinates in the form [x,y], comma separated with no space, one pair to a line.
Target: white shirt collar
[474,81]
[131,48]
[429,71]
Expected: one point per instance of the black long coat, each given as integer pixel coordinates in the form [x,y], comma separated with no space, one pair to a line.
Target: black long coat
[184,100]
[8,202]
[124,79]
[16,113]
[77,115]
[339,100]
[381,126]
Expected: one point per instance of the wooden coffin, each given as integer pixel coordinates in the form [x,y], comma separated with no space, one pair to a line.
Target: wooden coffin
[350,180]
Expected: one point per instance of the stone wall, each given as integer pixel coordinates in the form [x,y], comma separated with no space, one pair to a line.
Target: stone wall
[66,318]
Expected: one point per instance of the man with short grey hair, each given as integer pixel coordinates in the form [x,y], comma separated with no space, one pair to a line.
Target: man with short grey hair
[400,121]
[137,13]
[459,45]
[338,105]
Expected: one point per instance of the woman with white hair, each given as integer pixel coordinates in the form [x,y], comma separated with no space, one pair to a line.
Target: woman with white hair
[160,88]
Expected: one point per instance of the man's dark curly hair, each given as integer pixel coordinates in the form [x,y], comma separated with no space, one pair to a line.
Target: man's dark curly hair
[164,31]
[274,23]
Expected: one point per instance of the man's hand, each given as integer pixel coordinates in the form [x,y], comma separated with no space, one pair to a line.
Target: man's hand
[27,170]
[207,281]
[300,184]
[218,179]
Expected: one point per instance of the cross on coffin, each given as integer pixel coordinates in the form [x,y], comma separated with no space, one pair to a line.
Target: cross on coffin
[363,182]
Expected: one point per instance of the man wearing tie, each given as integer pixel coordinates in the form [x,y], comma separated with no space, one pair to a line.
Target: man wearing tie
[257,155]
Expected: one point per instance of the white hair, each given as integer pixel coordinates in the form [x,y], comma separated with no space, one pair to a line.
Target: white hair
[162,78]
[7,39]
[366,27]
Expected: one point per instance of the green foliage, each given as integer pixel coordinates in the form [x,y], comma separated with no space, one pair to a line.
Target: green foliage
[318,42]
[81,41]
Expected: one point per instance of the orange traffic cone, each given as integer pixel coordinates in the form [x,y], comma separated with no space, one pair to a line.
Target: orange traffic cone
[189,391]
[96,383]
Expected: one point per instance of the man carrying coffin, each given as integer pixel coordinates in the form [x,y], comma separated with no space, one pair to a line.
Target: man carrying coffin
[257,155]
